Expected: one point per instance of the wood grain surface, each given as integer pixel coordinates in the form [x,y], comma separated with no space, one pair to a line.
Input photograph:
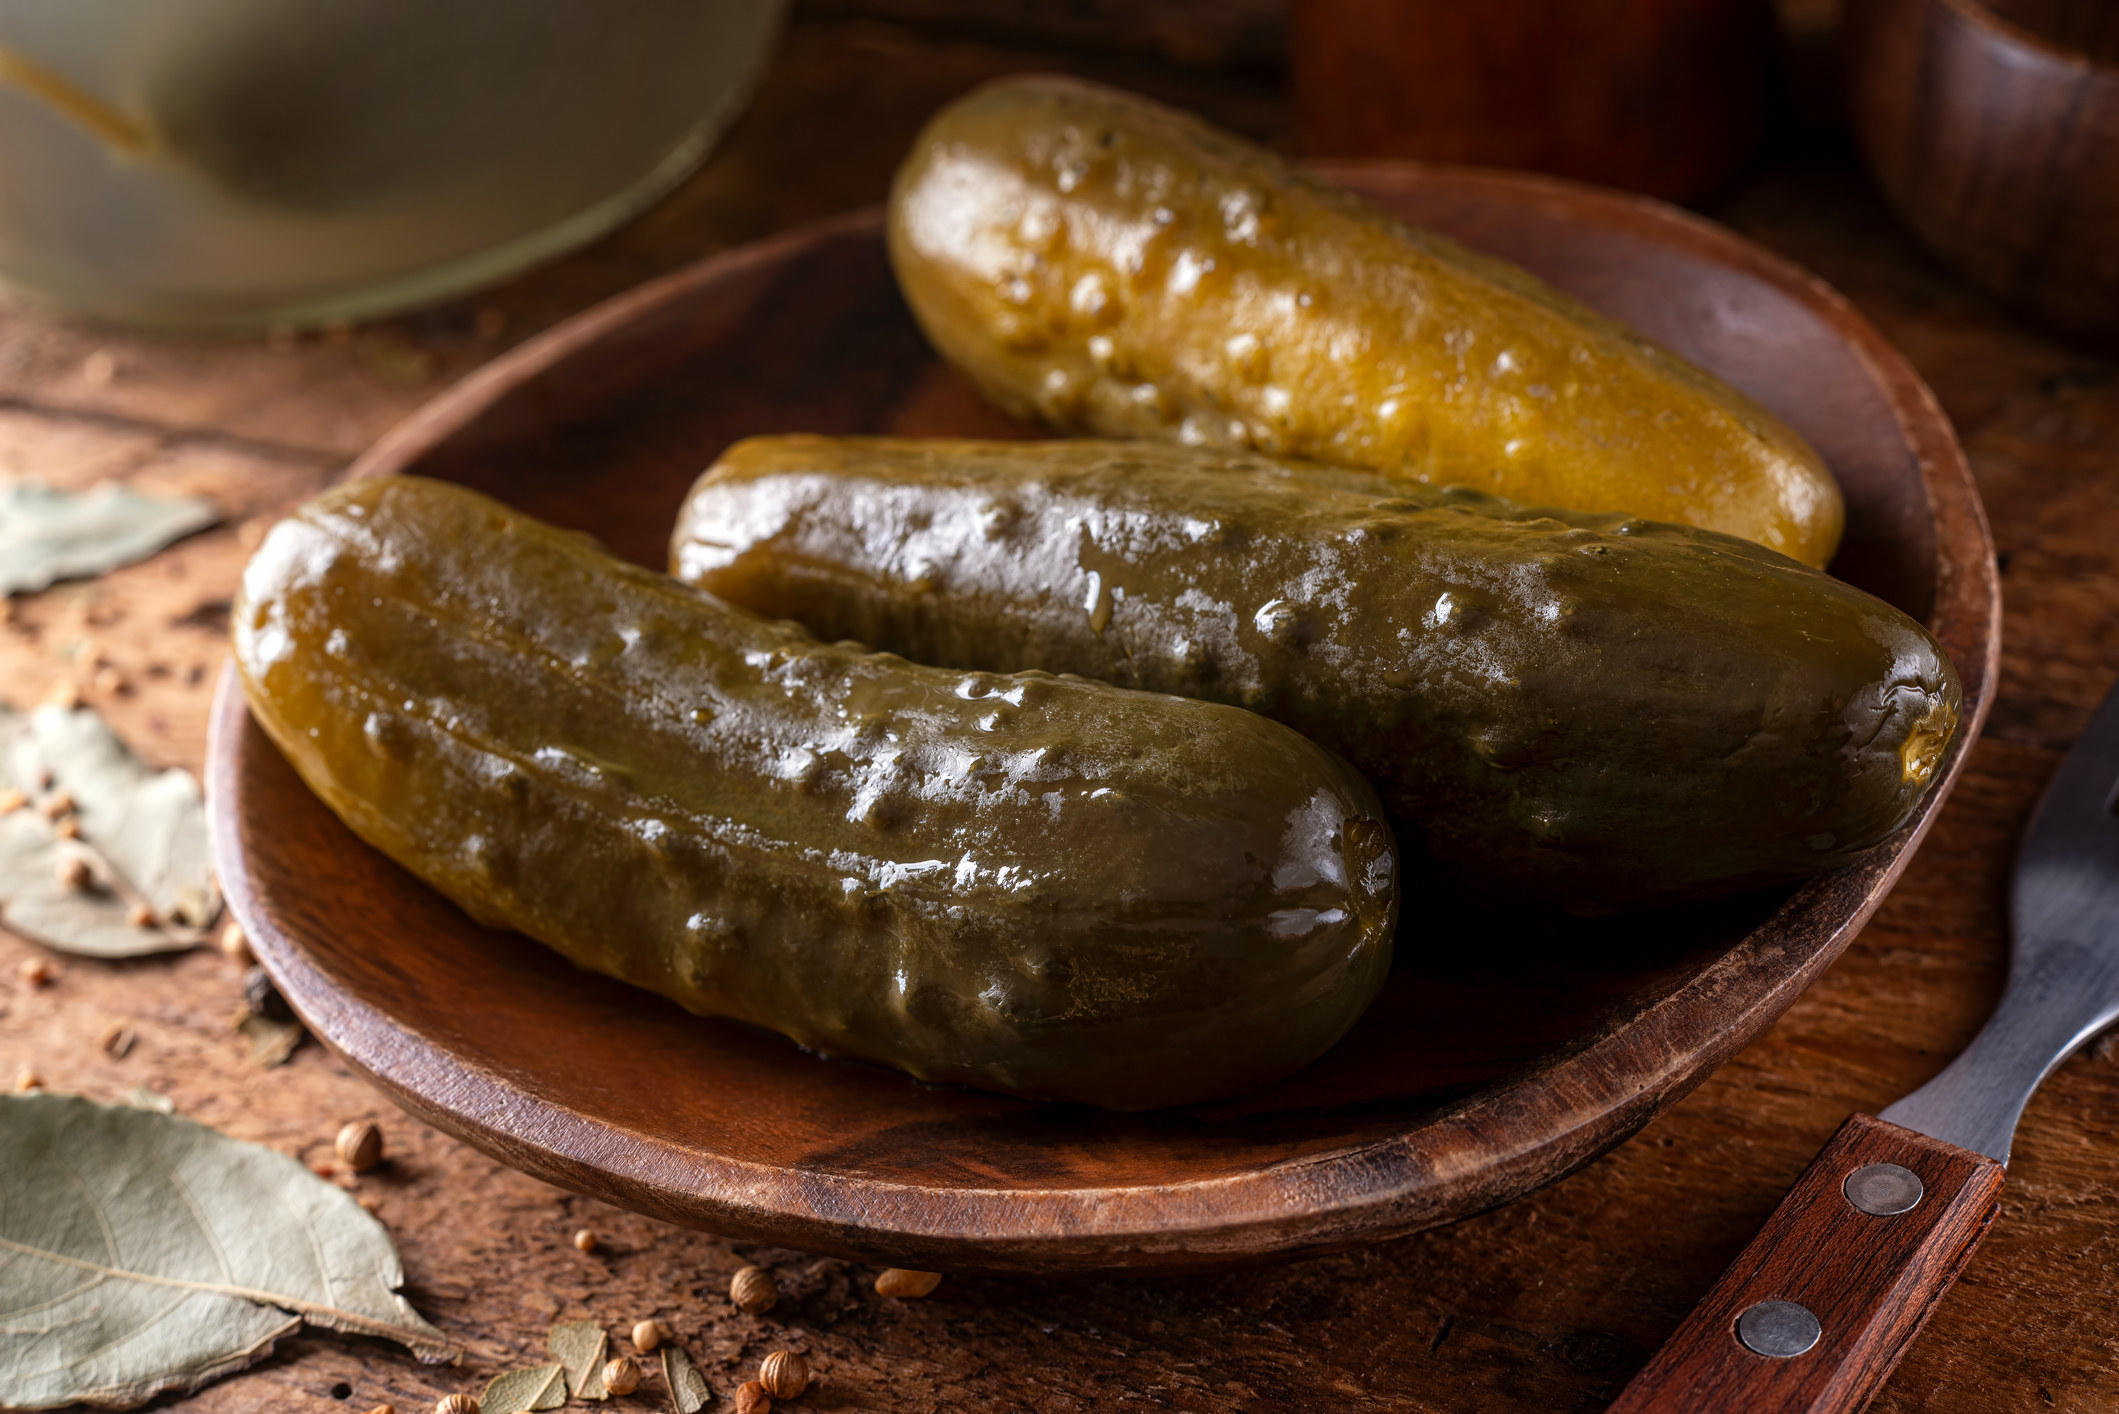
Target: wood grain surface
[1548,1304]
[1666,97]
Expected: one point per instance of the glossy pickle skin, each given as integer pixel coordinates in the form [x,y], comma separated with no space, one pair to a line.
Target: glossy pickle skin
[1115,268]
[1041,885]
[1585,711]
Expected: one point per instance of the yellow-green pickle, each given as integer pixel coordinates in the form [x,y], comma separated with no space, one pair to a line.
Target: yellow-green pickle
[1042,885]
[1594,712]
[1120,269]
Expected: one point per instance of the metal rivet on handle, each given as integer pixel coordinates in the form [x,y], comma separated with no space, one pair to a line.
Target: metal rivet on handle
[1780,1329]
[1884,1190]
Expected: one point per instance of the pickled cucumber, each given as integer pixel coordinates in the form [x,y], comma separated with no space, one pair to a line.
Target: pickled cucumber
[1040,885]
[1119,269]
[1589,711]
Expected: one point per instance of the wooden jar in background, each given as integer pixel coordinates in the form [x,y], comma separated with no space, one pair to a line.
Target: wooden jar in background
[1994,130]
[1666,97]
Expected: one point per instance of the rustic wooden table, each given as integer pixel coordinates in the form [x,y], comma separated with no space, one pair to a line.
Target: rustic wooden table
[1548,1304]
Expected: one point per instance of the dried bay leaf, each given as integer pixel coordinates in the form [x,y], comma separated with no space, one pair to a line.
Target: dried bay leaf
[272,1041]
[687,1385]
[544,1387]
[141,1252]
[582,1347]
[47,535]
[141,831]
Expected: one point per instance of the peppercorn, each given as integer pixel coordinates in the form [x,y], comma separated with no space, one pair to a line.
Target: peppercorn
[621,1375]
[784,1374]
[752,1398]
[360,1145]
[907,1285]
[263,998]
[753,1290]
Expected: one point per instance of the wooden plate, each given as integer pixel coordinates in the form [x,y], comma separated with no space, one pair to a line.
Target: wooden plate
[1498,1059]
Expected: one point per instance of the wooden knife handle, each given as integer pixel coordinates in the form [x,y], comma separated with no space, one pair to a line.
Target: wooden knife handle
[1865,1282]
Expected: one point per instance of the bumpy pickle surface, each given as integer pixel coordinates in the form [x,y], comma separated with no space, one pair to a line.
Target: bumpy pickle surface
[1120,269]
[1042,885]
[1589,711]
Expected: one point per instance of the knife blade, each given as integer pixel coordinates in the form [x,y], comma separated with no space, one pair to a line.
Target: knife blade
[1814,1314]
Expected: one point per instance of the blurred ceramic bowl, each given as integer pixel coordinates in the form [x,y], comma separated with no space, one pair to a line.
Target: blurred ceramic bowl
[233,163]
[1994,130]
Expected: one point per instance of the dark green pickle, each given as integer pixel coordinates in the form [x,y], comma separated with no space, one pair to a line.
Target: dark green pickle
[1569,709]
[1047,886]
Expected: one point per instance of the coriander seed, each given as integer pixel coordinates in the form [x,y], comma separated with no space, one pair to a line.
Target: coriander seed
[68,829]
[74,874]
[621,1375]
[27,1080]
[235,947]
[784,1374]
[753,1290]
[457,1404]
[907,1285]
[140,916]
[585,1240]
[60,804]
[360,1146]
[753,1398]
[35,972]
[647,1335]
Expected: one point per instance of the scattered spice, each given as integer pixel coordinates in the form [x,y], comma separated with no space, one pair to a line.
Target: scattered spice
[384,1409]
[60,804]
[27,1080]
[64,695]
[11,799]
[36,972]
[649,1334]
[68,829]
[117,1039]
[140,916]
[621,1375]
[263,998]
[585,1241]
[74,873]
[109,682]
[360,1145]
[753,1290]
[784,1374]
[907,1285]
[456,1404]
[753,1398]
[235,947]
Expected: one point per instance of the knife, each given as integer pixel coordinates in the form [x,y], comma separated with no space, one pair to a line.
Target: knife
[1815,1313]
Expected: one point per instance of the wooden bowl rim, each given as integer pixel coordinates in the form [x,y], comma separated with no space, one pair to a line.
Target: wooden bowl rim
[1364,1192]
[2033,44]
